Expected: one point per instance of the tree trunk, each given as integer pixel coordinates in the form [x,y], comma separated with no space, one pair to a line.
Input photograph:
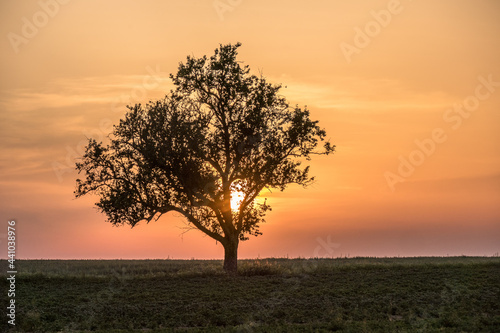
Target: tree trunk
[231,257]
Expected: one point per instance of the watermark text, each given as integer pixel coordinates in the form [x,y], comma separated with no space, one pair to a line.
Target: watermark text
[11,272]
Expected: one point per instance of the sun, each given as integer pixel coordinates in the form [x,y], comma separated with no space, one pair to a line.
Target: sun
[236,199]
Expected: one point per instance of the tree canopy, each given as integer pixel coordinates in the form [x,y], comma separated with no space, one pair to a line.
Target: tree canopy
[221,130]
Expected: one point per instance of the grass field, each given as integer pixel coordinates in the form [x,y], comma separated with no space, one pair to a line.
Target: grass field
[456,294]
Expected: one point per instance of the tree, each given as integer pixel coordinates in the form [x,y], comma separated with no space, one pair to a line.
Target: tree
[221,130]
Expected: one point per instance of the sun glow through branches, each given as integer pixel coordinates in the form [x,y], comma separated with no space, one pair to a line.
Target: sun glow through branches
[236,199]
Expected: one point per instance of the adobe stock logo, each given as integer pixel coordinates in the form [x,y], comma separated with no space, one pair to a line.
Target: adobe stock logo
[30,28]
[427,146]
[222,6]
[364,36]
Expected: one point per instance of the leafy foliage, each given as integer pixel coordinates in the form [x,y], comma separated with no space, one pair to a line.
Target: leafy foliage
[222,129]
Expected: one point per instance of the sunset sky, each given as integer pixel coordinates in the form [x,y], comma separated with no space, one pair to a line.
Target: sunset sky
[408,91]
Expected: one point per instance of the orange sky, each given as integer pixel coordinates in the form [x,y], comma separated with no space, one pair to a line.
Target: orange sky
[409,91]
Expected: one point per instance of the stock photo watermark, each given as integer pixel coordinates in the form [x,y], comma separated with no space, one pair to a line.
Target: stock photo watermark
[223,6]
[150,82]
[363,36]
[454,116]
[11,272]
[115,286]
[30,27]
[328,247]
[325,248]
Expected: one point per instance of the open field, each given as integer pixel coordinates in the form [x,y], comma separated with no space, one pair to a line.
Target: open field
[456,294]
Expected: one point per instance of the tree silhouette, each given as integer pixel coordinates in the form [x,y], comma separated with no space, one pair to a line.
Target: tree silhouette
[220,131]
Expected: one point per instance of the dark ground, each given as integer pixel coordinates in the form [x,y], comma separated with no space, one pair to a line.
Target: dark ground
[459,294]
